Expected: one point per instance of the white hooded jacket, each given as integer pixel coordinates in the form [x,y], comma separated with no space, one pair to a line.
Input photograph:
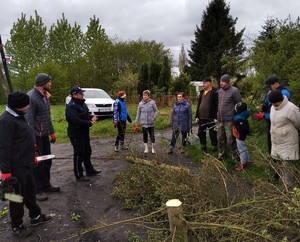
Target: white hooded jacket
[285,125]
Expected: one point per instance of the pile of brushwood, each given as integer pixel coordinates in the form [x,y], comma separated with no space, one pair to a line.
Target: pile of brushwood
[218,204]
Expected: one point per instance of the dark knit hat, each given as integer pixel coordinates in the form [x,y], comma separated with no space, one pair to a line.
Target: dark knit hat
[275,96]
[240,107]
[122,94]
[225,78]
[271,80]
[206,79]
[41,79]
[75,90]
[17,100]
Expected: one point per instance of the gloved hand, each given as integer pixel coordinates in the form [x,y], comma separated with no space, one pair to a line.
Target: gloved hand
[36,162]
[136,128]
[115,125]
[53,138]
[5,176]
[36,150]
[259,116]
[216,121]
[197,120]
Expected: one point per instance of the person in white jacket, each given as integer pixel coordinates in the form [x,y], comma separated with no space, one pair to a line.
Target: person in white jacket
[146,114]
[285,127]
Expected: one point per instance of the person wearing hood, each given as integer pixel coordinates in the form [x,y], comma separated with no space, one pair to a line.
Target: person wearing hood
[181,122]
[121,116]
[228,96]
[146,114]
[240,130]
[39,118]
[285,127]
[79,122]
[17,161]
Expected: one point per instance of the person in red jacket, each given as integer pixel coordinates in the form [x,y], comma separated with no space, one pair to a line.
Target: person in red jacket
[17,159]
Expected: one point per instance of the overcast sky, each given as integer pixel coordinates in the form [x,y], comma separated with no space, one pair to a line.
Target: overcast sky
[171,22]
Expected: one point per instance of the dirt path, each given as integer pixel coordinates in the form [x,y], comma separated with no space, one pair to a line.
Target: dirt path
[92,201]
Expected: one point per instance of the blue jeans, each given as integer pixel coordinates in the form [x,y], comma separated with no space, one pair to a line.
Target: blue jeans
[243,151]
[175,135]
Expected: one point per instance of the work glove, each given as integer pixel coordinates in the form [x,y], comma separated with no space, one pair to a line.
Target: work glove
[136,128]
[259,116]
[36,150]
[36,162]
[216,121]
[5,176]
[115,125]
[53,138]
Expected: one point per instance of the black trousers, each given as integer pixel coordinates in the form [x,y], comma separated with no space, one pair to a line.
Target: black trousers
[82,154]
[150,131]
[42,171]
[121,132]
[203,125]
[26,188]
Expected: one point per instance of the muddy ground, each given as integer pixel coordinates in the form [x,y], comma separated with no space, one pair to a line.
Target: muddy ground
[91,201]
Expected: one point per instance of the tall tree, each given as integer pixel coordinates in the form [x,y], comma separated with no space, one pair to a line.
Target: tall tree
[143,82]
[218,47]
[165,76]
[65,41]
[183,61]
[27,46]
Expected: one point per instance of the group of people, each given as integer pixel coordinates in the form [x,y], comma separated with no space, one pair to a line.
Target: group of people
[27,132]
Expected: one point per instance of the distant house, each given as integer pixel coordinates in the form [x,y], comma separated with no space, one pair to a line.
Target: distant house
[198,85]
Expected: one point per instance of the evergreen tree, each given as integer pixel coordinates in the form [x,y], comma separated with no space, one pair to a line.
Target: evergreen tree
[165,76]
[183,61]
[217,48]
[143,83]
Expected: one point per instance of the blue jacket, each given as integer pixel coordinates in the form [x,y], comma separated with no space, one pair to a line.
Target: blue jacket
[181,117]
[241,124]
[120,111]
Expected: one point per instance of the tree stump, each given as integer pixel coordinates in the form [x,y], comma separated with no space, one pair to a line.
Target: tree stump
[177,224]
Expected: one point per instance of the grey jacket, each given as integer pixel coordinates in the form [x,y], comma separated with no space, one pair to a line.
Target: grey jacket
[228,97]
[146,113]
[38,114]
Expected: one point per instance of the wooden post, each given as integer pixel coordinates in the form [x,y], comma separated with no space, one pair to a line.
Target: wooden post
[177,225]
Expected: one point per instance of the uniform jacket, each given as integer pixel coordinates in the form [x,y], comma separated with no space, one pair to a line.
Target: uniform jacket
[285,125]
[78,118]
[38,114]
[146,113]
[228,97]
[213,103]
[16,142]
[181,117]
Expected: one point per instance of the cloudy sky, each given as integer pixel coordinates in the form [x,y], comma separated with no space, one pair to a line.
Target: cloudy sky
[171,22]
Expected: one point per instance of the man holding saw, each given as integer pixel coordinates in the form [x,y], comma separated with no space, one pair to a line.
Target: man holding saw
[17,160]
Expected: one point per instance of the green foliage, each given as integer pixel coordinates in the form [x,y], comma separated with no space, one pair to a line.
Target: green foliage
[217,48]
[181,84]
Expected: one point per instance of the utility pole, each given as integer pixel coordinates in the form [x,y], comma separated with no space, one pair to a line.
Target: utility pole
[11,88]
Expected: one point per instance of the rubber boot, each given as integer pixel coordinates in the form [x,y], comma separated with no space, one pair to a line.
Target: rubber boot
[146,148]
[123,146]
[153,150]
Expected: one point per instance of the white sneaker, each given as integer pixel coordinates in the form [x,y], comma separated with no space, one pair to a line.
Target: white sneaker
[153,151]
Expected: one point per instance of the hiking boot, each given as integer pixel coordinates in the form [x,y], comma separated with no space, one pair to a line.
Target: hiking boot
[41,219]
[239,168]
[214,148]
[82,179]
[169,151]
[21,231]
[182,150]
[52,189]
[204,149]
[41,196]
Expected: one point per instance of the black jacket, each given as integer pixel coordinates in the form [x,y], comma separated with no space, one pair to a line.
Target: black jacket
[16,142]
[78,118]
[213,104]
